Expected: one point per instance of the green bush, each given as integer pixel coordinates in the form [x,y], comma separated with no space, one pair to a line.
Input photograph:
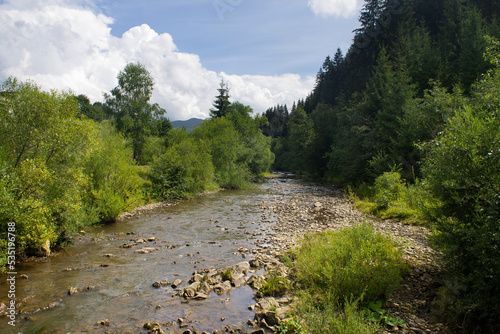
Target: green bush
[154,147]
[390,198]
[463,170]
[275,285]
[183,171]
[352,262]
[226,149]
[58,172]
[115,184]
[42,146]
[388,187]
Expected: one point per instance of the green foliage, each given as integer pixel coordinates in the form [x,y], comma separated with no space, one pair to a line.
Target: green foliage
[227,275]
[42,146]
[58,172]
[463,170]
[221,103]
[225,146]
[351,262]
[255,151]
[390,197]
[377,314]
[154,147]
[132,113]
[300,137]
[275,285]
[332,320]
[227,152]
[115,185]
[183,171]
[291,326]
[92,111]
[388,187]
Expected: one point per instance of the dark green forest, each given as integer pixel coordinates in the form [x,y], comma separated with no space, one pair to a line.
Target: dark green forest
[409,120]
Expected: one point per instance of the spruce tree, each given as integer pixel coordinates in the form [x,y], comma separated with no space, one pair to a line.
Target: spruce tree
[221,103]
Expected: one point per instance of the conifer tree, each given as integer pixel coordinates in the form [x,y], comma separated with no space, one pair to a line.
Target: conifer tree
[221,103]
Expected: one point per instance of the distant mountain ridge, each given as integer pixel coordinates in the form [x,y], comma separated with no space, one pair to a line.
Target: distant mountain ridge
[189,124]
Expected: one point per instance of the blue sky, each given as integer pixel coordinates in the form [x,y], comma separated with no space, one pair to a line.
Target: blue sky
[268,51]
[264,37]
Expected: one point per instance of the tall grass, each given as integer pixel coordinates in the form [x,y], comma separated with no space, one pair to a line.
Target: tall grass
[338,270]
[352,262]
[330,319]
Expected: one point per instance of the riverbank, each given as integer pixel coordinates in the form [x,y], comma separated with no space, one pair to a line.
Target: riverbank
[309,209]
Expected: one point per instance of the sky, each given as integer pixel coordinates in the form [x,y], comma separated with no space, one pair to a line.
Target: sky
[267,51]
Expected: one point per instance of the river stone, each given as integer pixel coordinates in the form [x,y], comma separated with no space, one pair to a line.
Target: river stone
[196,278]
[259,331]
[266,304]
[153,328]
[201,296]
[242,266]
[272,318]
[238,280]
[254,263]
[165,283]
[103,323]
[176,283]
[256,282]
[222,288]
[205,288]
[191,290]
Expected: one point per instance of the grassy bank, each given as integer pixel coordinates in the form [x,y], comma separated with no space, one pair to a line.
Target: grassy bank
[342,279]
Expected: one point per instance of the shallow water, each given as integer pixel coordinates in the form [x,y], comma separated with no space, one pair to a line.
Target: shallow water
[193,235]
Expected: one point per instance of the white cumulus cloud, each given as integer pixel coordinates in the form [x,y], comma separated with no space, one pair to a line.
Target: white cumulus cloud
[336,8]
[66,45]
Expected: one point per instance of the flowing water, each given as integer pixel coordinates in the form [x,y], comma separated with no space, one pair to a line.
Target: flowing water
[193,235]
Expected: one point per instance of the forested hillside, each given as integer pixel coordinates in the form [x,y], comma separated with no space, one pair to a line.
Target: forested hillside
[406,56]
[410,118]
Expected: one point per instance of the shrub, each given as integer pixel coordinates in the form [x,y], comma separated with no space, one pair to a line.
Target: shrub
[390,197]
[463,170]
[183,171]
[226,149]
[349,263]
[388,188]
[154,147]
[115,184]
[42,144]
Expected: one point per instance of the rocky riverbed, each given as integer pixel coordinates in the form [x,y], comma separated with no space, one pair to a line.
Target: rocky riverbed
[307,208]
[255,238]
